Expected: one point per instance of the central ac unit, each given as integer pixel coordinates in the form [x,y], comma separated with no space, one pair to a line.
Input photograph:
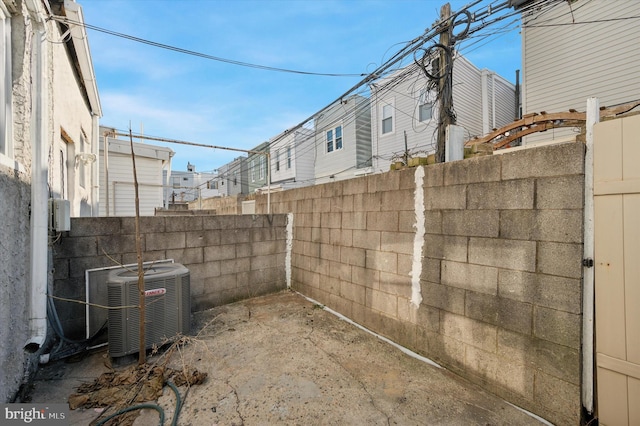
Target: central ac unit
[167,306]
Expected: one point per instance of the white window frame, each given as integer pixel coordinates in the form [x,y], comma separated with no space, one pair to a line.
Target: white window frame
[6,115]
[277,160]
[262,163]
[331,138]
[252,166]
[391,108]
[421,106]
[289,157]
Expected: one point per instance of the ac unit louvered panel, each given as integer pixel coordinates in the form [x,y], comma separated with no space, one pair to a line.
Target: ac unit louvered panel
[168,288]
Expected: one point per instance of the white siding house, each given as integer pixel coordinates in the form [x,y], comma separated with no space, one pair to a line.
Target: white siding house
[343,140]
[49,113]
[185,186]
[117,190]
[588,48]
[404,111]
[292,155]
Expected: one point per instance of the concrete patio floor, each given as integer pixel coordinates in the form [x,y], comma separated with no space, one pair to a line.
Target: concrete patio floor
[280,359]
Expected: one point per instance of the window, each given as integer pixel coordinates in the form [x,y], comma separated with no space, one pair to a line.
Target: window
[288,157]
[263,163]
[235,178]
[334,139]
[81,165]
[252,166]
[425,111]
[6,138]
[387,119]
[277,160]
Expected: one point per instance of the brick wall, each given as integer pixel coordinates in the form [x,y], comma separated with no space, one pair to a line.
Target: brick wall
[487,281]
[229,257]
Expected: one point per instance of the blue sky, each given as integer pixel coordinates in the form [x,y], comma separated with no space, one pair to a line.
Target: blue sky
[177,96]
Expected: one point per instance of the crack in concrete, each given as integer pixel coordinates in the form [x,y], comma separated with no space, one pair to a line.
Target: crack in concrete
[237,407]
[362,385]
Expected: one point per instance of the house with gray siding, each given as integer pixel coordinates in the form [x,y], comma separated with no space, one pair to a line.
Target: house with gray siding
[233,177]
[257,167]
[343,140]
[292,159]
[575,50]
[404,110]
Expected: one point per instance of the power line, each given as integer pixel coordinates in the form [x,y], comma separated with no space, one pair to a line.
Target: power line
[68,21]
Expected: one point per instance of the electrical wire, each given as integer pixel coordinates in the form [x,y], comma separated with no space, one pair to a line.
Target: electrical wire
[68,21]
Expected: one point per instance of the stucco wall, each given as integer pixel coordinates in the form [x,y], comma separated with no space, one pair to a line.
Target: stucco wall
[14,278]
[475,264]
[229,257]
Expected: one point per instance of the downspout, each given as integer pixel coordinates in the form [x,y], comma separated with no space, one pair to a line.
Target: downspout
[593,117]
[493,100]
[95,167]
[39,178]
[485,101]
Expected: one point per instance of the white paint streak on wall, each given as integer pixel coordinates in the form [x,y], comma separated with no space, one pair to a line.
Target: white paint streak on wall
[418,239]
[289,248]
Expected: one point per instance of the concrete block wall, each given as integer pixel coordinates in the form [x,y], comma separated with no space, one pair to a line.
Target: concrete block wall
[475,264]
[229,257]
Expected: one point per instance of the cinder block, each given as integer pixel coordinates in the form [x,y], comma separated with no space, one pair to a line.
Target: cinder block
[224,252]
[485,169]
[218,222]
[355,186]
[428,318]
[517,285]
[204,270]
[407,221]
[433,221]
[513,376]
[339,270]
[556,326]
[563,294]
[183,223]
[505,313]
[215,284]
[186,255]
[503,253]
[443,297]
[434,175]
[382,261]
[518,224]
[148,224]
[353,256]
[342,204]
[559,225]
[76,247]
[395,284]
[233,266]
[553,359]
[407,180]
[88,226]
[472,223]
[366,277]
[405,265]
[147,256]
[482,279]
[77,266]
[108,244]
[331,220]
[503,195]
[330,252]
[203,238]
[400,200]
[332,189]
[322,205]
[383,302]
[367,202]
[545,161]
[397,242]
[340,305]
[560,193]
[302,233]
[60,269]
[383,182]
[453,197]
[353,292]
[469,331]
[560,399]
[354,220]
[383,221]
[430,270]
[341,237]
[259,263]
[445,350]
[366,239]
[234,236]
[455,248]
[564,260]
[433,246]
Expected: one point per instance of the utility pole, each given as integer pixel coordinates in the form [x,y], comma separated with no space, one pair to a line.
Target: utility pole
[445,83]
